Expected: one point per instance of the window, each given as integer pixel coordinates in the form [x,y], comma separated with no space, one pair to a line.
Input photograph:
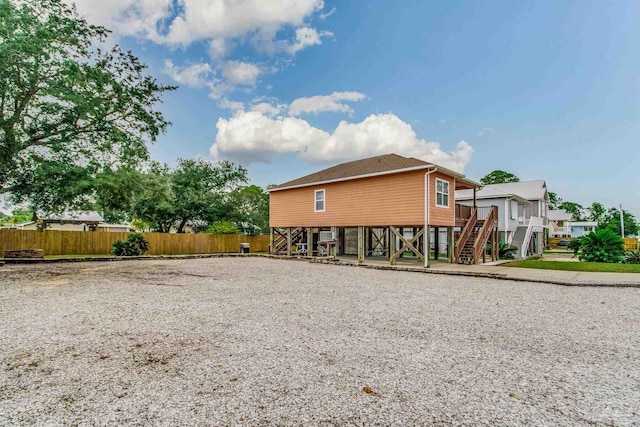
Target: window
[442,193]
[319,201]
[514,210]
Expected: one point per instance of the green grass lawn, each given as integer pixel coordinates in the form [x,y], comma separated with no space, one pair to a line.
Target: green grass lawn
[574,266]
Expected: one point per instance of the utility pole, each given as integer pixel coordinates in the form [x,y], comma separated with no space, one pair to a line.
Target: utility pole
[622,220]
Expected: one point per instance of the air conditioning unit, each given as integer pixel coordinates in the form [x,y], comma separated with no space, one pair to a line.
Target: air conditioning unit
[326,236]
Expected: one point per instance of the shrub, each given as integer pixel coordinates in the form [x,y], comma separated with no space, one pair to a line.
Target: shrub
[574,245]
[505,251]
[601,246]
[632,257]
[135,245]
[222,227]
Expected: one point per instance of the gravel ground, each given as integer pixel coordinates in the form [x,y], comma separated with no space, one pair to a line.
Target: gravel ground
[262,342]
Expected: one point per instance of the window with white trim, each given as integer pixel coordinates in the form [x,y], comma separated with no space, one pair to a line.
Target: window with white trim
[319,201]
[442,193]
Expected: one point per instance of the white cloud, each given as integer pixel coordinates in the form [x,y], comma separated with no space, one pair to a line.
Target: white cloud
[218,48]
[195,75]
[230,105]
[253,136]
[240,73]
[186,21]
[305,37]
[126,17]
[323,103]
[266,109]
[220,80]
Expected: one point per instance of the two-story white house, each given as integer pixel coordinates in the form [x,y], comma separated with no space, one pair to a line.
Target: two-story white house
[559,223]
[522,212]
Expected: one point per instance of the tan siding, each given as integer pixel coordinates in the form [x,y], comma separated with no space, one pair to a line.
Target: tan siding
[439,216]
[395,199]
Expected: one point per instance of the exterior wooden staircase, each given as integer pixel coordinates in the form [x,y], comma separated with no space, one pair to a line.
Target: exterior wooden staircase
[280,240]
[472,243]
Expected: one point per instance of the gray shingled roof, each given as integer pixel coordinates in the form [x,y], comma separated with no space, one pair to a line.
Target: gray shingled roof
[489,193]
[378,164]
[559,215]
[529,190]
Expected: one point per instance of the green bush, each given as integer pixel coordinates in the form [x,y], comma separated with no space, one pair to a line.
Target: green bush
[135,245]
[632,257]
[574,245]
[505,251]
[601,246]
[222,227]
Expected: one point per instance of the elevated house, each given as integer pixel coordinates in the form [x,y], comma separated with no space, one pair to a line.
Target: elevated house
[581,228]
[559,223]
[384,207]
[509,207]
[531,199]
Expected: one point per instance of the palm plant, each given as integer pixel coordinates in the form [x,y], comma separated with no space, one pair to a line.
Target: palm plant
[601,246]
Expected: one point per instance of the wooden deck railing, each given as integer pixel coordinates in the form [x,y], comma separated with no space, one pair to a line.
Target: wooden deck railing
[466,232]
[490,215]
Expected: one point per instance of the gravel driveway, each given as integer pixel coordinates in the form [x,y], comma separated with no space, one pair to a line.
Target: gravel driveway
[261,342]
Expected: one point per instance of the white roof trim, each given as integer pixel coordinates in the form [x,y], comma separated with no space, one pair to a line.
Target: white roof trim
[369,175]
[349,178]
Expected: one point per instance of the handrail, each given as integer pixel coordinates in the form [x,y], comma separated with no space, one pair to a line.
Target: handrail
[466,231]
[487,227]
[536,222]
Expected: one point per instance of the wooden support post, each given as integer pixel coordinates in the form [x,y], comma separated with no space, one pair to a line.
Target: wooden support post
[334,237]
[392,247]
[272,242]
[309,241]
[367,231]
[289,233]
[360,244]
[451,245]
[436,242]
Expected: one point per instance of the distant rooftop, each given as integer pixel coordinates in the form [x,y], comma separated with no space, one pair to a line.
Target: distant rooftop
[529,190]
[73,216]
[559,215]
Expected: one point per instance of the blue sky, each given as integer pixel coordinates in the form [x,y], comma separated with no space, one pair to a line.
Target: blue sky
[545,90]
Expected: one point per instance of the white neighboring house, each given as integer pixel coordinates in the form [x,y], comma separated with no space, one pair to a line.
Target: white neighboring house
[74,221]
[509,205]
[581,228]
[532,212]
[560,222]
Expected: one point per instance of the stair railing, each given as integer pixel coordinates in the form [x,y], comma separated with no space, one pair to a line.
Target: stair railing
[534,222]
[466,232]
[487,228]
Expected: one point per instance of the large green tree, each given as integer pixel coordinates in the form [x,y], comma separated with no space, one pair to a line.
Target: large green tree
[498,177]
[251,205]
[597,211]
[575,209]
[611,221]
[69,108]
[196,193]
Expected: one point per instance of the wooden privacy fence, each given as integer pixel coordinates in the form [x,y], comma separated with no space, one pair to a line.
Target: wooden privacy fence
[630,243]
[56,242]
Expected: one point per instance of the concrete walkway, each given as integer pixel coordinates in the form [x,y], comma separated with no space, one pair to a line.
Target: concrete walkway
[495,270]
